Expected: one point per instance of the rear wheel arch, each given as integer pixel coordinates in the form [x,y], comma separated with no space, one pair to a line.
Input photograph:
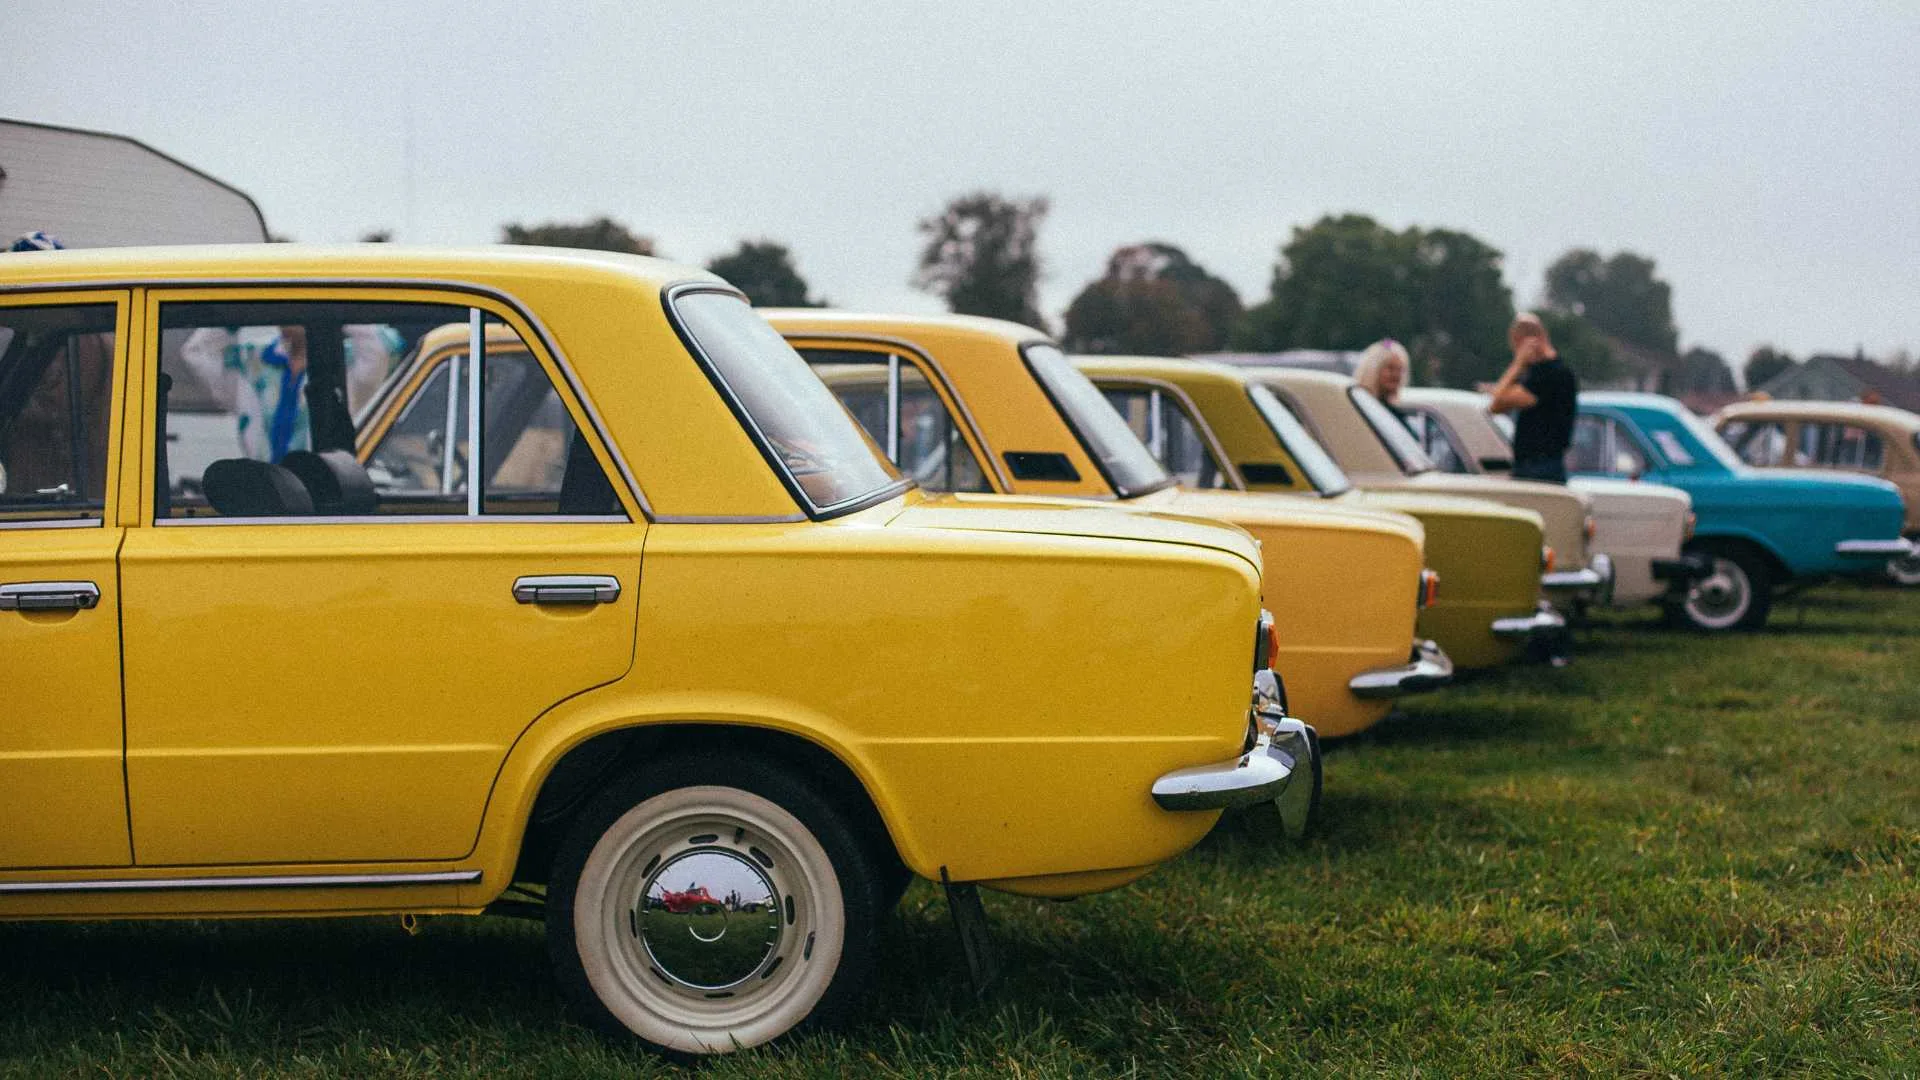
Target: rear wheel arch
[1778,571]
[594,764]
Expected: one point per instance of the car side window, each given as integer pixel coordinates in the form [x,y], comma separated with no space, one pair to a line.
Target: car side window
[1842,446]
[1162,422]
[1436,441]
[356,409]
[1760,443]
[56,385]
[1602,445]
[897,406]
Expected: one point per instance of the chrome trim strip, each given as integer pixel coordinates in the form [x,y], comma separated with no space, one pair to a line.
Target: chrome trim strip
[61,523]
[723,519]
[539,328]
[410,519]
[1896,548]
[450,423]
[287,881]
[933,366]
[476,387]
[1586,578]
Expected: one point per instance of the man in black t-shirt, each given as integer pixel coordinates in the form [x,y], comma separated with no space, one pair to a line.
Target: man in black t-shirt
[1540,390]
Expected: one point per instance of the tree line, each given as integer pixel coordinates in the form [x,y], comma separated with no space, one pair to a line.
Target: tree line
[1340,283]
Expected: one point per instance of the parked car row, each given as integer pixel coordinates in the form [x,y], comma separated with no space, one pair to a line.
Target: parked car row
[567,584]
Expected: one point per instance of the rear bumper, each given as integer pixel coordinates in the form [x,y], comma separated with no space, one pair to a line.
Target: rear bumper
[1428,668]
[1543,621]
[1897,548]
[1283,767]
[1595,579]
[1684,569]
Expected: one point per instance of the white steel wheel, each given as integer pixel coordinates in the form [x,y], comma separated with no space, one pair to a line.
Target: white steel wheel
[1905,571]
[708,918]
[1725,598]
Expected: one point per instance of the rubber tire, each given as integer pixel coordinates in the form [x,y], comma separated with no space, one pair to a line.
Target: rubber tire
[1904,572]
[1752,565]
[859,882]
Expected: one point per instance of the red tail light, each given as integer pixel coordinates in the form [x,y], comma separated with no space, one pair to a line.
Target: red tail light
[1429,588]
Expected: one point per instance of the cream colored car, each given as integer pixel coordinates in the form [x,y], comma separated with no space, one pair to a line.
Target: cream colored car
[1379,454]
[1639,526]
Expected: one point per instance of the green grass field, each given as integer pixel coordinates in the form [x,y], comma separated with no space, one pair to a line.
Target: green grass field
[1679,856]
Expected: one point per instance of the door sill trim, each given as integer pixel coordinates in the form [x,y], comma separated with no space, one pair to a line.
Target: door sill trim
[282,881]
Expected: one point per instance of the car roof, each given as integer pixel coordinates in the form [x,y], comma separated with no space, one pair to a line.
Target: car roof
[1855,411]
[799,321]
[331,262]
[1439,394]
[1298,376]
[1632,399]
[1161,367]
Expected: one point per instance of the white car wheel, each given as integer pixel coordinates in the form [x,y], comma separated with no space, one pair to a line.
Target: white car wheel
[1722,599]
[1905,571]
[709,918]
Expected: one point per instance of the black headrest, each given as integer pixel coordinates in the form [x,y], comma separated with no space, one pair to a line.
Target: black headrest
[338,485]
[243,487]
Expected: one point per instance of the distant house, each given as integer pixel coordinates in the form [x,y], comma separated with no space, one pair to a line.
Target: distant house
[1845,378]
[94,189]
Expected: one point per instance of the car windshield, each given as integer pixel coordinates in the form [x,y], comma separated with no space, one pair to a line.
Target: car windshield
[1705,437]
[797,418]
[1322,471]
[1125,461]
[1399,441]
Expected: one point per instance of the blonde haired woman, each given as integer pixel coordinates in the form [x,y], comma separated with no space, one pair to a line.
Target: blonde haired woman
[1383,370]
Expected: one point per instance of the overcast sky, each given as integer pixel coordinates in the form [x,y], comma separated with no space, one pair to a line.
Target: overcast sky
[1766,154]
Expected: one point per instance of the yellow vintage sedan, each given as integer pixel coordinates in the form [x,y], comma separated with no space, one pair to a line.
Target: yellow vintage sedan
[1380,454]
[611,616]
[1213,427]
[977,405]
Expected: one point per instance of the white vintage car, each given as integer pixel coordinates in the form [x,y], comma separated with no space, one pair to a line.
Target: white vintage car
[1640,526]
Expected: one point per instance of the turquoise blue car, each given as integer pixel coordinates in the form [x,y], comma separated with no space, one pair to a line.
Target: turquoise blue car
[1757,530]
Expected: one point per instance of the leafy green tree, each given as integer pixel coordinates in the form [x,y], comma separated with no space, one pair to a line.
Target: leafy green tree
[1153,299]
[1620,295]
[1763,364]
[764,271]
[1700,371]
[1345,282]
[600,234]
[980,256]
[1581,344]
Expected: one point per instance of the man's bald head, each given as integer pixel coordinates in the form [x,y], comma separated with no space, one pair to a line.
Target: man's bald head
[1528,337]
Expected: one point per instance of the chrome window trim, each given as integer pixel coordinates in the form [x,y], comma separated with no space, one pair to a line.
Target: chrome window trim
[500,295]
[1184,402]
[408,519]
[935,371]
[477,476]
[55,523]
[280,881]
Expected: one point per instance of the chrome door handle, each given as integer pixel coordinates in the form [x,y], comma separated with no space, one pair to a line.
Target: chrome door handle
[49,596]
[567,589]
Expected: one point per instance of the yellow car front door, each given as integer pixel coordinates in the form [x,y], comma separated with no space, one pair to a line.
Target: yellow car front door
[327,664]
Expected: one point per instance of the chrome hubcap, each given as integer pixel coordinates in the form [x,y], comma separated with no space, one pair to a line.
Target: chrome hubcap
[1721,596]
[710,919]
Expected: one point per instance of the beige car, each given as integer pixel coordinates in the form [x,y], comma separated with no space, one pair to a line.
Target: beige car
[1878,440]
[1380,454]
[1640,526]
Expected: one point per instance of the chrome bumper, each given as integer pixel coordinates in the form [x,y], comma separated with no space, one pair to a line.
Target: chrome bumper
[1596,577]
[1544,620]
[1429,668]
[1282,768]
[1897,548]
